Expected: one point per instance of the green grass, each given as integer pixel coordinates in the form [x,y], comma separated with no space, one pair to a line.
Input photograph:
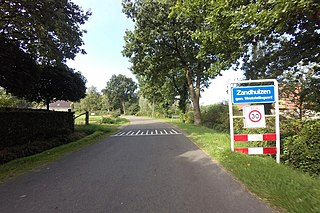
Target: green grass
[98,119]
[282,187]
[93,119]
[23,165]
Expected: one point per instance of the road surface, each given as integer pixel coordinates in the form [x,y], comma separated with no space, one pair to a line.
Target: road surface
[147,166]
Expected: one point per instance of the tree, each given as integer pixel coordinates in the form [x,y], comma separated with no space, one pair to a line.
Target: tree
[58,83]
[287,32]
[8,100]
[165,90]
[48,30]
[120,90]
[92,101]
[275,35]
[300,86]
[18,70]
[163,41]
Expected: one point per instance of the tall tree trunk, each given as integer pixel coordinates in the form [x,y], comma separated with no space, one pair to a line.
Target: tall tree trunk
[123,103]
[195,97]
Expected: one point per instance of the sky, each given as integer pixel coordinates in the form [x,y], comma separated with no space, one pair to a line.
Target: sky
[104,43]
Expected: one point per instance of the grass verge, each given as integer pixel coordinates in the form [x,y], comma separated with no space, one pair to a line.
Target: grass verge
[23,165]
[280,186]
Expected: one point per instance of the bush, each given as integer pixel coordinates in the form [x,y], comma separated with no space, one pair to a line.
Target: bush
[302,151]
[216,117]
[111,120]
[290,127]
[132,109]
[189,117]
[115,113]
[107,120]
[19,126]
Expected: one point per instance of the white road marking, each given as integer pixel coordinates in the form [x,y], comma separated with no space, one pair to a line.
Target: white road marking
[174,131]
[154,132]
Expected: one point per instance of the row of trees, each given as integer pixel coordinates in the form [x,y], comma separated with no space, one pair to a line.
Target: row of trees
[120,94]
[36,39]
[179,45]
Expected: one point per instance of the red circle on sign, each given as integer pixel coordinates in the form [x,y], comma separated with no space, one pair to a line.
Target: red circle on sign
[255,117]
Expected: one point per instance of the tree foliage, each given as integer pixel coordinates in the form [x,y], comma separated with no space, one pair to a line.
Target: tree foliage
[92,101]
[165,90]
[48,30]
[302,88]
[18,70]
[285,32]
[35,36]
[8,100]
[120,90]
[274,35]
[164,41]
[58,83]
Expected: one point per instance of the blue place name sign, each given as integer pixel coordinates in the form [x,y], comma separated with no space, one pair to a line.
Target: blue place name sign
[253,94]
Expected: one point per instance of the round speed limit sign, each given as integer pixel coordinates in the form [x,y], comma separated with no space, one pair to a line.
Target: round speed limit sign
[254,116]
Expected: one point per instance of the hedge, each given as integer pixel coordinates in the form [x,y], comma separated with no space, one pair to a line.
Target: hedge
[18,127]
[301,151]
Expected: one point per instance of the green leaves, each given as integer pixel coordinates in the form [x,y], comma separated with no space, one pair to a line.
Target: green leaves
[58,83]
[92,102]
[18,70]
[120,90]
[164,44]
[302,151]
[48,30]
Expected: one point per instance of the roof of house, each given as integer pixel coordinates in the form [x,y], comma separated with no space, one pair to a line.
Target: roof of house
[62,104]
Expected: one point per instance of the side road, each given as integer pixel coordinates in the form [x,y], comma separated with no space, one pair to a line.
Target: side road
[147,166]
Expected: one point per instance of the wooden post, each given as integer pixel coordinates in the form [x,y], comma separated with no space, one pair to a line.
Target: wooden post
[87,118]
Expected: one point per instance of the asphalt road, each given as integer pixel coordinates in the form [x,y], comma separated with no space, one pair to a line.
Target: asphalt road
[147,167]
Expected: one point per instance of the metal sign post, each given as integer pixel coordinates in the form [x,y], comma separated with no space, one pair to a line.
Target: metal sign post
[254,114]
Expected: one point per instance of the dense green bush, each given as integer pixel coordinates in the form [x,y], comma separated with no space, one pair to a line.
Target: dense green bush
[115,113]
[20,126]
[132,108]
[189,117]
[290,127]
[25,132]
[107,120]
[301,151]
[216,117]
[112,120]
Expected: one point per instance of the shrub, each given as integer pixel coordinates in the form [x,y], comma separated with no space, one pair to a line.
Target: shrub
[302,151]
[290,127]
[216,117]
[189,118]
[115,113]
[111,120]
[19,126]
[132,109]
[107,120]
